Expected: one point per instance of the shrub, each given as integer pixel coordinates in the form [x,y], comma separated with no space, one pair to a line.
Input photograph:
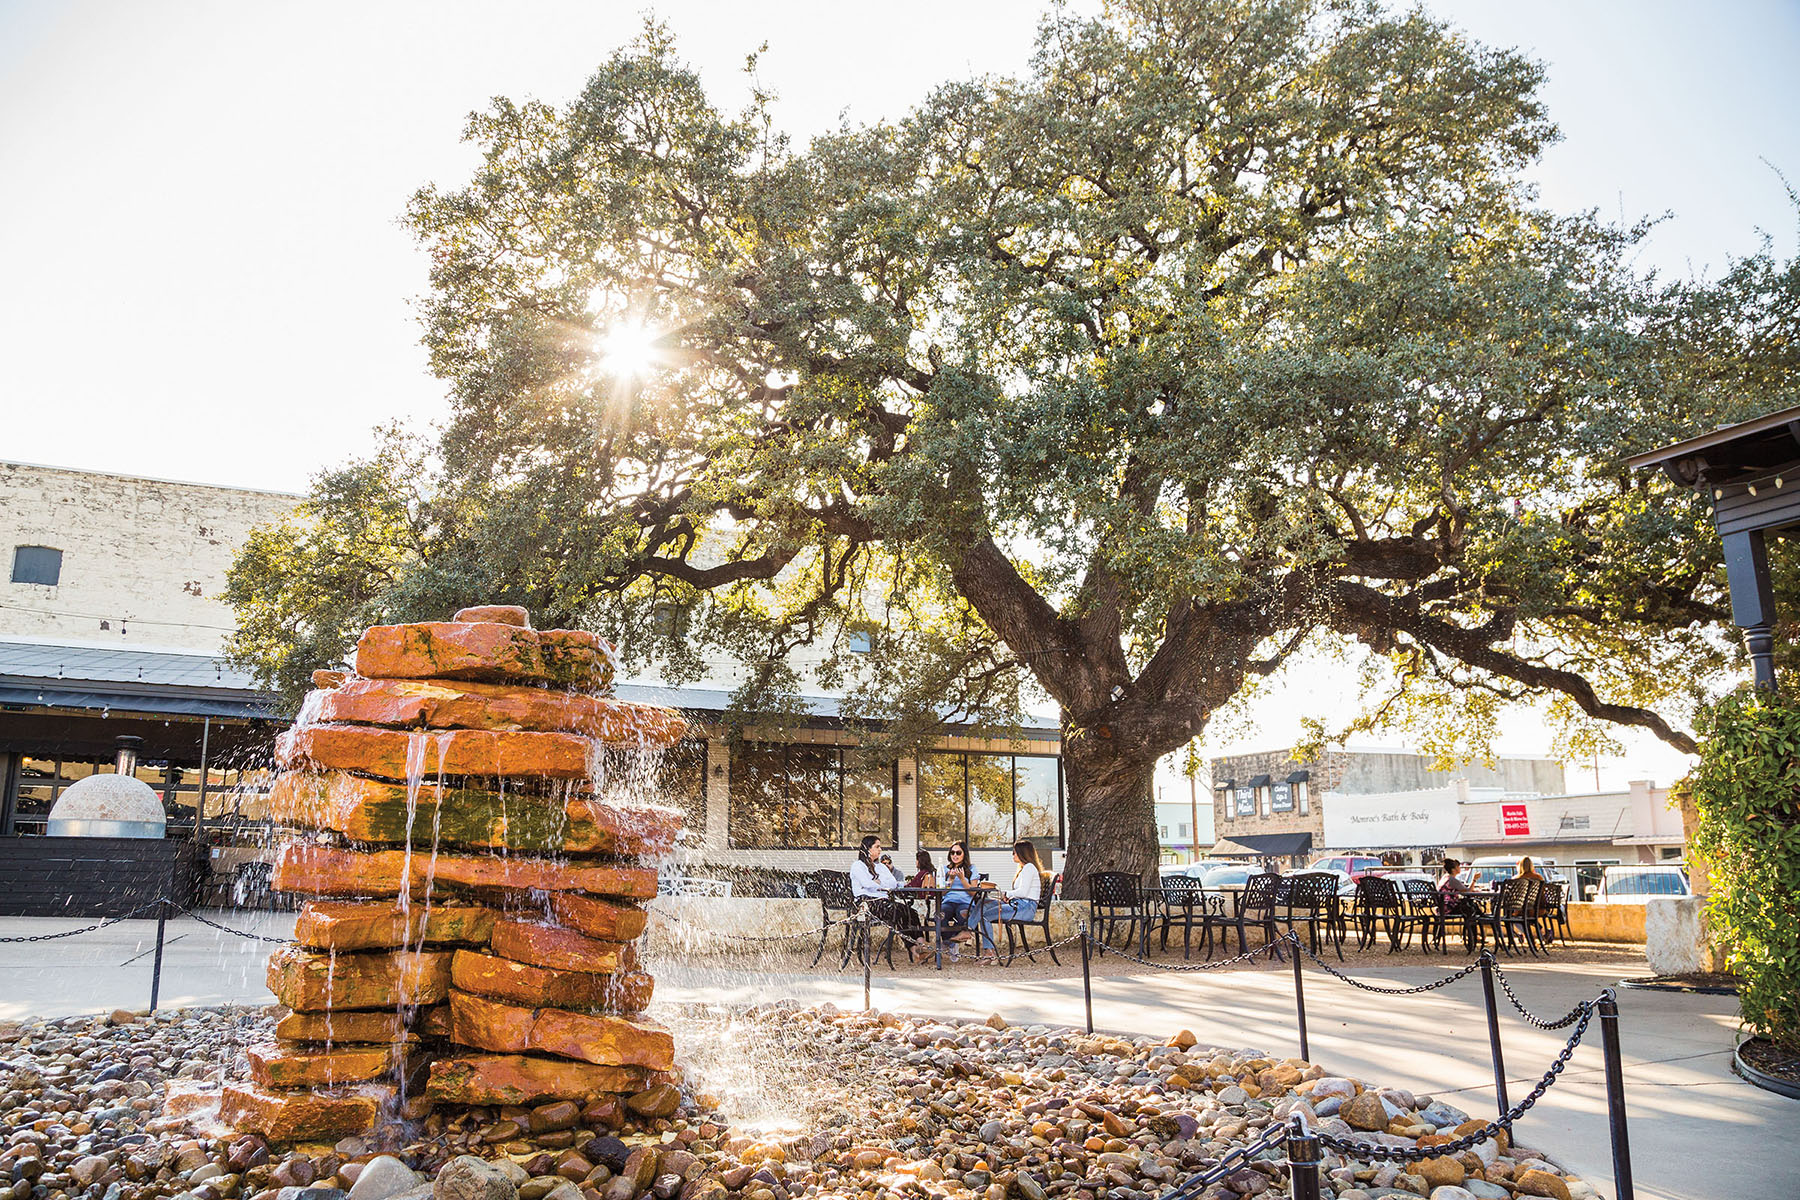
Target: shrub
[1747,796]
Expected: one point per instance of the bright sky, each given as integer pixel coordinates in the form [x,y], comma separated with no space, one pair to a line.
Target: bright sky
[204,276]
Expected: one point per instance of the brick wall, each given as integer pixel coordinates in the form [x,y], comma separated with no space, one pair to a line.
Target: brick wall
[143,560]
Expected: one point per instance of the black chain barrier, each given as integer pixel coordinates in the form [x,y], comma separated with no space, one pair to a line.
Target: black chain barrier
[245,934]
[1231,1160]
[1208,965]
[1370,1151]
[1530,1016]
[1446,981]
[99,925]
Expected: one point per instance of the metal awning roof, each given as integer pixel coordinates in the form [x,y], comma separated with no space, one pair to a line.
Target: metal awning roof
[1261,845]
[54,675]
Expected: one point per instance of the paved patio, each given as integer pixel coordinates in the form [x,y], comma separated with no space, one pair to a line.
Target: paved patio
[1697,1131]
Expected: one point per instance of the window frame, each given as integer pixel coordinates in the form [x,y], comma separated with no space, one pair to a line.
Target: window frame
[840,770]
[55,570]
[963,756]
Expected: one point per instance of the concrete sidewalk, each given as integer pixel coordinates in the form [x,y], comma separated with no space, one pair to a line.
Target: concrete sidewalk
[1697,1131]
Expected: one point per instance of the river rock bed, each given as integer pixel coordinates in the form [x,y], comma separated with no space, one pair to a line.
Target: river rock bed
[778,1103]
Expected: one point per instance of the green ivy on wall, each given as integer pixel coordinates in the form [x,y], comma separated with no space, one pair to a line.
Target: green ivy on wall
[1747,795]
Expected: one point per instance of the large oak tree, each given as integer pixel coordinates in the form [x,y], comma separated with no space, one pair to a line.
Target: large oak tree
[1228,331]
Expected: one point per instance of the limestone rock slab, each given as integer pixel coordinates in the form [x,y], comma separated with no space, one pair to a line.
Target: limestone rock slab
[372,810]
[391,754]
[298,1116]
[523,1079]
[377,925]
[551,946]
[589,1037]
[331,871]
[311,982]
[522,983]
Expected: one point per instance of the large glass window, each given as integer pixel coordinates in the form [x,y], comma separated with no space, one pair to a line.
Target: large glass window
[681,782]
[807,798]
[989,800]
[42,780]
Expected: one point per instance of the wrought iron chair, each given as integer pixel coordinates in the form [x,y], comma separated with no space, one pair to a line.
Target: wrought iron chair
[1515,913]
[1377,903]
[1180,895]
[1312,900]
[1425,911]
[1553,914]
[1256,907]
[1046,889]
[836,903]
[1114,898]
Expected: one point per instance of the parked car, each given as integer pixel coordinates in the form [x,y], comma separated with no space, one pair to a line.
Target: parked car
[1490,871]
[1344,864]
[1235,875]
[1196,870]
[1638,884]
[1346,883]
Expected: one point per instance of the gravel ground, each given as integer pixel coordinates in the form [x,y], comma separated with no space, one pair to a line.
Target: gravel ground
[779,1103]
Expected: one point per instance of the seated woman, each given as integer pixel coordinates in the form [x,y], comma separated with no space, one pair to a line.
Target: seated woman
[872,880]
[959,896]
[1019,902]
[926,875]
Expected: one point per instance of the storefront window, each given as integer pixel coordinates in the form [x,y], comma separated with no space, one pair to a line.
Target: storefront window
[681,782]
[988,800]
[807,798]
[942,786]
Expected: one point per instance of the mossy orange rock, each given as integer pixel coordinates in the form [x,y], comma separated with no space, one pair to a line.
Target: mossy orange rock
[390,753]
[444,704]
[598,1038]
[369,810]
[359,1028]
[294,1067]
[522,983]
[560,949]
[485,651]
[296,1116]
[522,1079]
[308,982]
[349,925]
[330,871]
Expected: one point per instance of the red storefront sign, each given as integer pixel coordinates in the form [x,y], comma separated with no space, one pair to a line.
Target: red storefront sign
[1513,821]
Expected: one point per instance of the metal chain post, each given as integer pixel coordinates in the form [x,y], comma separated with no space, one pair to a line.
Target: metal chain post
[1304,1156]
[1300,1013]
[1087,979]
[1615,1094]
[162,921]
[1493,1018]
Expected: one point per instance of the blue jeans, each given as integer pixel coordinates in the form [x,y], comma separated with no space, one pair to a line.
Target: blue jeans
[1010,910]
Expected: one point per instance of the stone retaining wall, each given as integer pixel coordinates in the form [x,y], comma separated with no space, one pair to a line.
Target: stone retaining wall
[1607,923]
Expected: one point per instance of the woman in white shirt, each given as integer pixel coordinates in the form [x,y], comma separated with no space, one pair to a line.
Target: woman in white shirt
[872,880]
[1019,902]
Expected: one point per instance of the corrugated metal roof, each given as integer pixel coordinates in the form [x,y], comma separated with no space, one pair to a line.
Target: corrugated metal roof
[106,664]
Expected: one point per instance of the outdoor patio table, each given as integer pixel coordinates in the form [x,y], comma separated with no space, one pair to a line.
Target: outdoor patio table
[933,898]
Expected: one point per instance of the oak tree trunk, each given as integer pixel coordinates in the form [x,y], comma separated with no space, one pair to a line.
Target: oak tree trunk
[1111,801]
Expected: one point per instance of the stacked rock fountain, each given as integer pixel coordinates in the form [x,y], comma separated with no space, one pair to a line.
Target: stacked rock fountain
[473,900]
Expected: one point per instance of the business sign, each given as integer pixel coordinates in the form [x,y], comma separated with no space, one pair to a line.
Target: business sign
[1394,819]
[1281,798]
[1246,802]
[1513,820]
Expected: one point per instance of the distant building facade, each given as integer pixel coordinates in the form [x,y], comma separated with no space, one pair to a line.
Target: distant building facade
[1272,804]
